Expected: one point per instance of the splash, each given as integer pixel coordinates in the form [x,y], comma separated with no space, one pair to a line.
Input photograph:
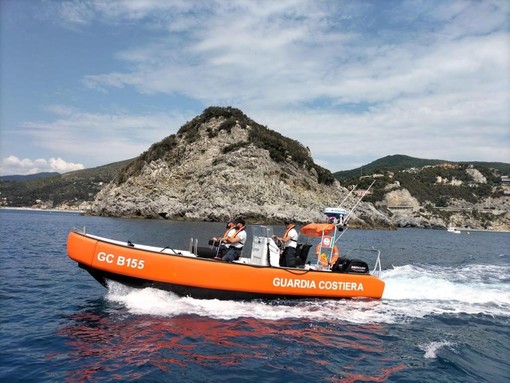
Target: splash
[162,303]
[474,284]
[411,292]
[431,349]
[418,291]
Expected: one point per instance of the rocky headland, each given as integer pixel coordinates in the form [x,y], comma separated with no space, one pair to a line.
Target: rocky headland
[212,170]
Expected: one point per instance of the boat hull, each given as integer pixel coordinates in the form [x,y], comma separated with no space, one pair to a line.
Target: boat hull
[185,274]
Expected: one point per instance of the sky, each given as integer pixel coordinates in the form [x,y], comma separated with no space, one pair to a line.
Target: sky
[87,83]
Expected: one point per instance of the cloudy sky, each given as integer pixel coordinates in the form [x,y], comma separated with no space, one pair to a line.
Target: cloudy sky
[87,83]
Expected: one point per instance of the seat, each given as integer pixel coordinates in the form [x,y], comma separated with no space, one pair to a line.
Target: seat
[302,250]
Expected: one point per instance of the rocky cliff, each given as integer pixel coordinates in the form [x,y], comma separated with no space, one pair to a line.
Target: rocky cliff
[221,165]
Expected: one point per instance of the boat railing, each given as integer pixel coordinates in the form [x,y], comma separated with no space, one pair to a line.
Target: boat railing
[376,271]
[81,231]
[193,245]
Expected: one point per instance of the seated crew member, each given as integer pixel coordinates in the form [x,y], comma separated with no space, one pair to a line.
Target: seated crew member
[236,242]
[221,242]
[289,239]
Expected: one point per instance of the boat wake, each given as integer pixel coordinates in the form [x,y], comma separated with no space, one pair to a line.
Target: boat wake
[411,292]
[469,287]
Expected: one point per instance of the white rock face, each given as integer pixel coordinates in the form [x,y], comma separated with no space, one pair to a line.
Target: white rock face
[476,176]
[400,197]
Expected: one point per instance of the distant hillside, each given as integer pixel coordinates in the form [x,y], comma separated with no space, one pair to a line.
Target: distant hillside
[103,172]
[69,188]
[29,177]
[400,162]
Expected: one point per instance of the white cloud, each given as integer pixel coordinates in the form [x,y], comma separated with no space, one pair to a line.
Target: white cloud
[79,12]
[294,55]
[76,12]
[100,138]
[13,165]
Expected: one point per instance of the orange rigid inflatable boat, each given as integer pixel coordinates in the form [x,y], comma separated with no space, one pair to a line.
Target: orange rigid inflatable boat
[256,275]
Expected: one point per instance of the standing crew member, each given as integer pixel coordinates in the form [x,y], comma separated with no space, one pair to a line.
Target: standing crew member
[289,239]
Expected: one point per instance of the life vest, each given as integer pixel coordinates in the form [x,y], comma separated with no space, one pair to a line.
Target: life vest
[287,232]
[228,231]
[238,243]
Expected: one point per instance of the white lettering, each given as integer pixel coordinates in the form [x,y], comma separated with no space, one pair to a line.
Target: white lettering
[345,286]
[294,283]
[120,260]
[307,284]
[103,257]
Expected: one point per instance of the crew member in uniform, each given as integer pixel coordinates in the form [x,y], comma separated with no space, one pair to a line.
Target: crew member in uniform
[222,242]
[236,242]
[289,239]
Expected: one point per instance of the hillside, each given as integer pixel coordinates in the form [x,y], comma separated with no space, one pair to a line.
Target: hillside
[29,177]
[58,190]
[466,196]
[400,162]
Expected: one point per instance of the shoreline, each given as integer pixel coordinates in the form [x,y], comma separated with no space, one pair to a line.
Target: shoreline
[38,209]
[75,211]
[468,231]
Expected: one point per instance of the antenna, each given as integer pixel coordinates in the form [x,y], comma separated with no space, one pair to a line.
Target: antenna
[347,196]
[357,202]
[340,216]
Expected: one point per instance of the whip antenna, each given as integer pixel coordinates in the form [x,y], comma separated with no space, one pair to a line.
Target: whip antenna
[357,202]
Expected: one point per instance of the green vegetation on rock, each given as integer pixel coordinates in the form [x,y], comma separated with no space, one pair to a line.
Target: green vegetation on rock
[280,148]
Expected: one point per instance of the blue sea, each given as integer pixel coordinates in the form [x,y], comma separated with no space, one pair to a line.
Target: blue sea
[444,316]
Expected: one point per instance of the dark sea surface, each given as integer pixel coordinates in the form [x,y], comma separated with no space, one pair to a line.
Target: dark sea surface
[444,316]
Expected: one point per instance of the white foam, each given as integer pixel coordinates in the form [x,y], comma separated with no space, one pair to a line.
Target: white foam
[431,349]
[415,292]
[157,302]
[411,292]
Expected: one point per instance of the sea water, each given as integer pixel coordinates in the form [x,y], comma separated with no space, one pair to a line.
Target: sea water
[444,315]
